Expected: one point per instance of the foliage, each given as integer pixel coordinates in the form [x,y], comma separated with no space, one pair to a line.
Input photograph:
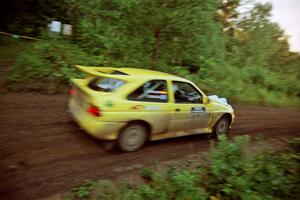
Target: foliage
[232,174]
[151,33]
[238,175]
[10,50]
[242,56]
[31,17]
[47,66]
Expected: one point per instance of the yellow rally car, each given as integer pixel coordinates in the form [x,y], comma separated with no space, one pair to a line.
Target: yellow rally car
[132,106]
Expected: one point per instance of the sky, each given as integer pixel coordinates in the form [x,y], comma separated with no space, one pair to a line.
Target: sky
[287,14]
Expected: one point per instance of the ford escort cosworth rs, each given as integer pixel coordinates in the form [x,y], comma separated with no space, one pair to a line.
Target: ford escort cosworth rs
[132,106]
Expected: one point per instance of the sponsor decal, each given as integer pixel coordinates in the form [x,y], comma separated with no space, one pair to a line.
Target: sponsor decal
[109,104]
[197,109]
[152,108]
[137,107]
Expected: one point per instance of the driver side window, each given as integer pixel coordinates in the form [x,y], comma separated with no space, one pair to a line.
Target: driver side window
[186,93]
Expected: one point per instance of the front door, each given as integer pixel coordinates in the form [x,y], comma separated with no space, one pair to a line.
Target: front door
[188,111]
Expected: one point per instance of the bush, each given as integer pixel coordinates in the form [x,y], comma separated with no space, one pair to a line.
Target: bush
[242,85]
[10,49]
[240,175]
[232,174]
[48,65]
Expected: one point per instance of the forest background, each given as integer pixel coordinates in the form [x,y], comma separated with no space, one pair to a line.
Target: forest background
[244,57]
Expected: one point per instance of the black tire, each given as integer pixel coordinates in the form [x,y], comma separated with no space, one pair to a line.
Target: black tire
[221,127]
[132,137]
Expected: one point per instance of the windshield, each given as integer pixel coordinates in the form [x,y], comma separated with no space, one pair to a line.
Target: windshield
[105,84]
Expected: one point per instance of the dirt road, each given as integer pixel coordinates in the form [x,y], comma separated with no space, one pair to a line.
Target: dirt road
[42,151]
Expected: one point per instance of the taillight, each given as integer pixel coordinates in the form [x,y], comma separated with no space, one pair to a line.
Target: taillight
[72,92]
[94,110]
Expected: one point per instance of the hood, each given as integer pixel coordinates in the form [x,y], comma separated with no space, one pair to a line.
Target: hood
[216,99]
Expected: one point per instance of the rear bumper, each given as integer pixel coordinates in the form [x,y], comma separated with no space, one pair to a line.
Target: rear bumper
[92,125]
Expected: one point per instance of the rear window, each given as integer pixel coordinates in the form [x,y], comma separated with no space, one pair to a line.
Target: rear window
[105,84]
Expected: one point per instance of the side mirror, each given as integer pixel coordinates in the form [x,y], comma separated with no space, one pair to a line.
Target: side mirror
[206,100]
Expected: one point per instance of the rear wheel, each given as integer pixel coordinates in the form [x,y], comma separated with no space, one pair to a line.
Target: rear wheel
[132,137]
[221,127]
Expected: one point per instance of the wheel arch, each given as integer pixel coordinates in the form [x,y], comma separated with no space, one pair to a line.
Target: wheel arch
[227,115]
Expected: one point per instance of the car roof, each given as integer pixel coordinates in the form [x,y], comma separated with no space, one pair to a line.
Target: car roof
[146,73]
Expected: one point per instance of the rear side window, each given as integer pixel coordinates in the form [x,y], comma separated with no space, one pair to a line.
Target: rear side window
[105,84]
[151,91]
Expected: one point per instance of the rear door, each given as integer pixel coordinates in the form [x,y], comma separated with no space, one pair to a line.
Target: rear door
[149,102]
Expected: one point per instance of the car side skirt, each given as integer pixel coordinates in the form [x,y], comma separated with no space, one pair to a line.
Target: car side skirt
[166,135]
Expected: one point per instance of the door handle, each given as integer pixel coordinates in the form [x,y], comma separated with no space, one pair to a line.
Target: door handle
[177,109]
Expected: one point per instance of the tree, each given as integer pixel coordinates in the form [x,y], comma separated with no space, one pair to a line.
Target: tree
[32,16]
[152,33]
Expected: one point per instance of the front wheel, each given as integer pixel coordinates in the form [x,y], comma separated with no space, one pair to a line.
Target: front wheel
[221,127]
[132,137]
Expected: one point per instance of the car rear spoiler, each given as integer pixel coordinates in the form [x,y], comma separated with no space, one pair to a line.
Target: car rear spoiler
[103,72]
